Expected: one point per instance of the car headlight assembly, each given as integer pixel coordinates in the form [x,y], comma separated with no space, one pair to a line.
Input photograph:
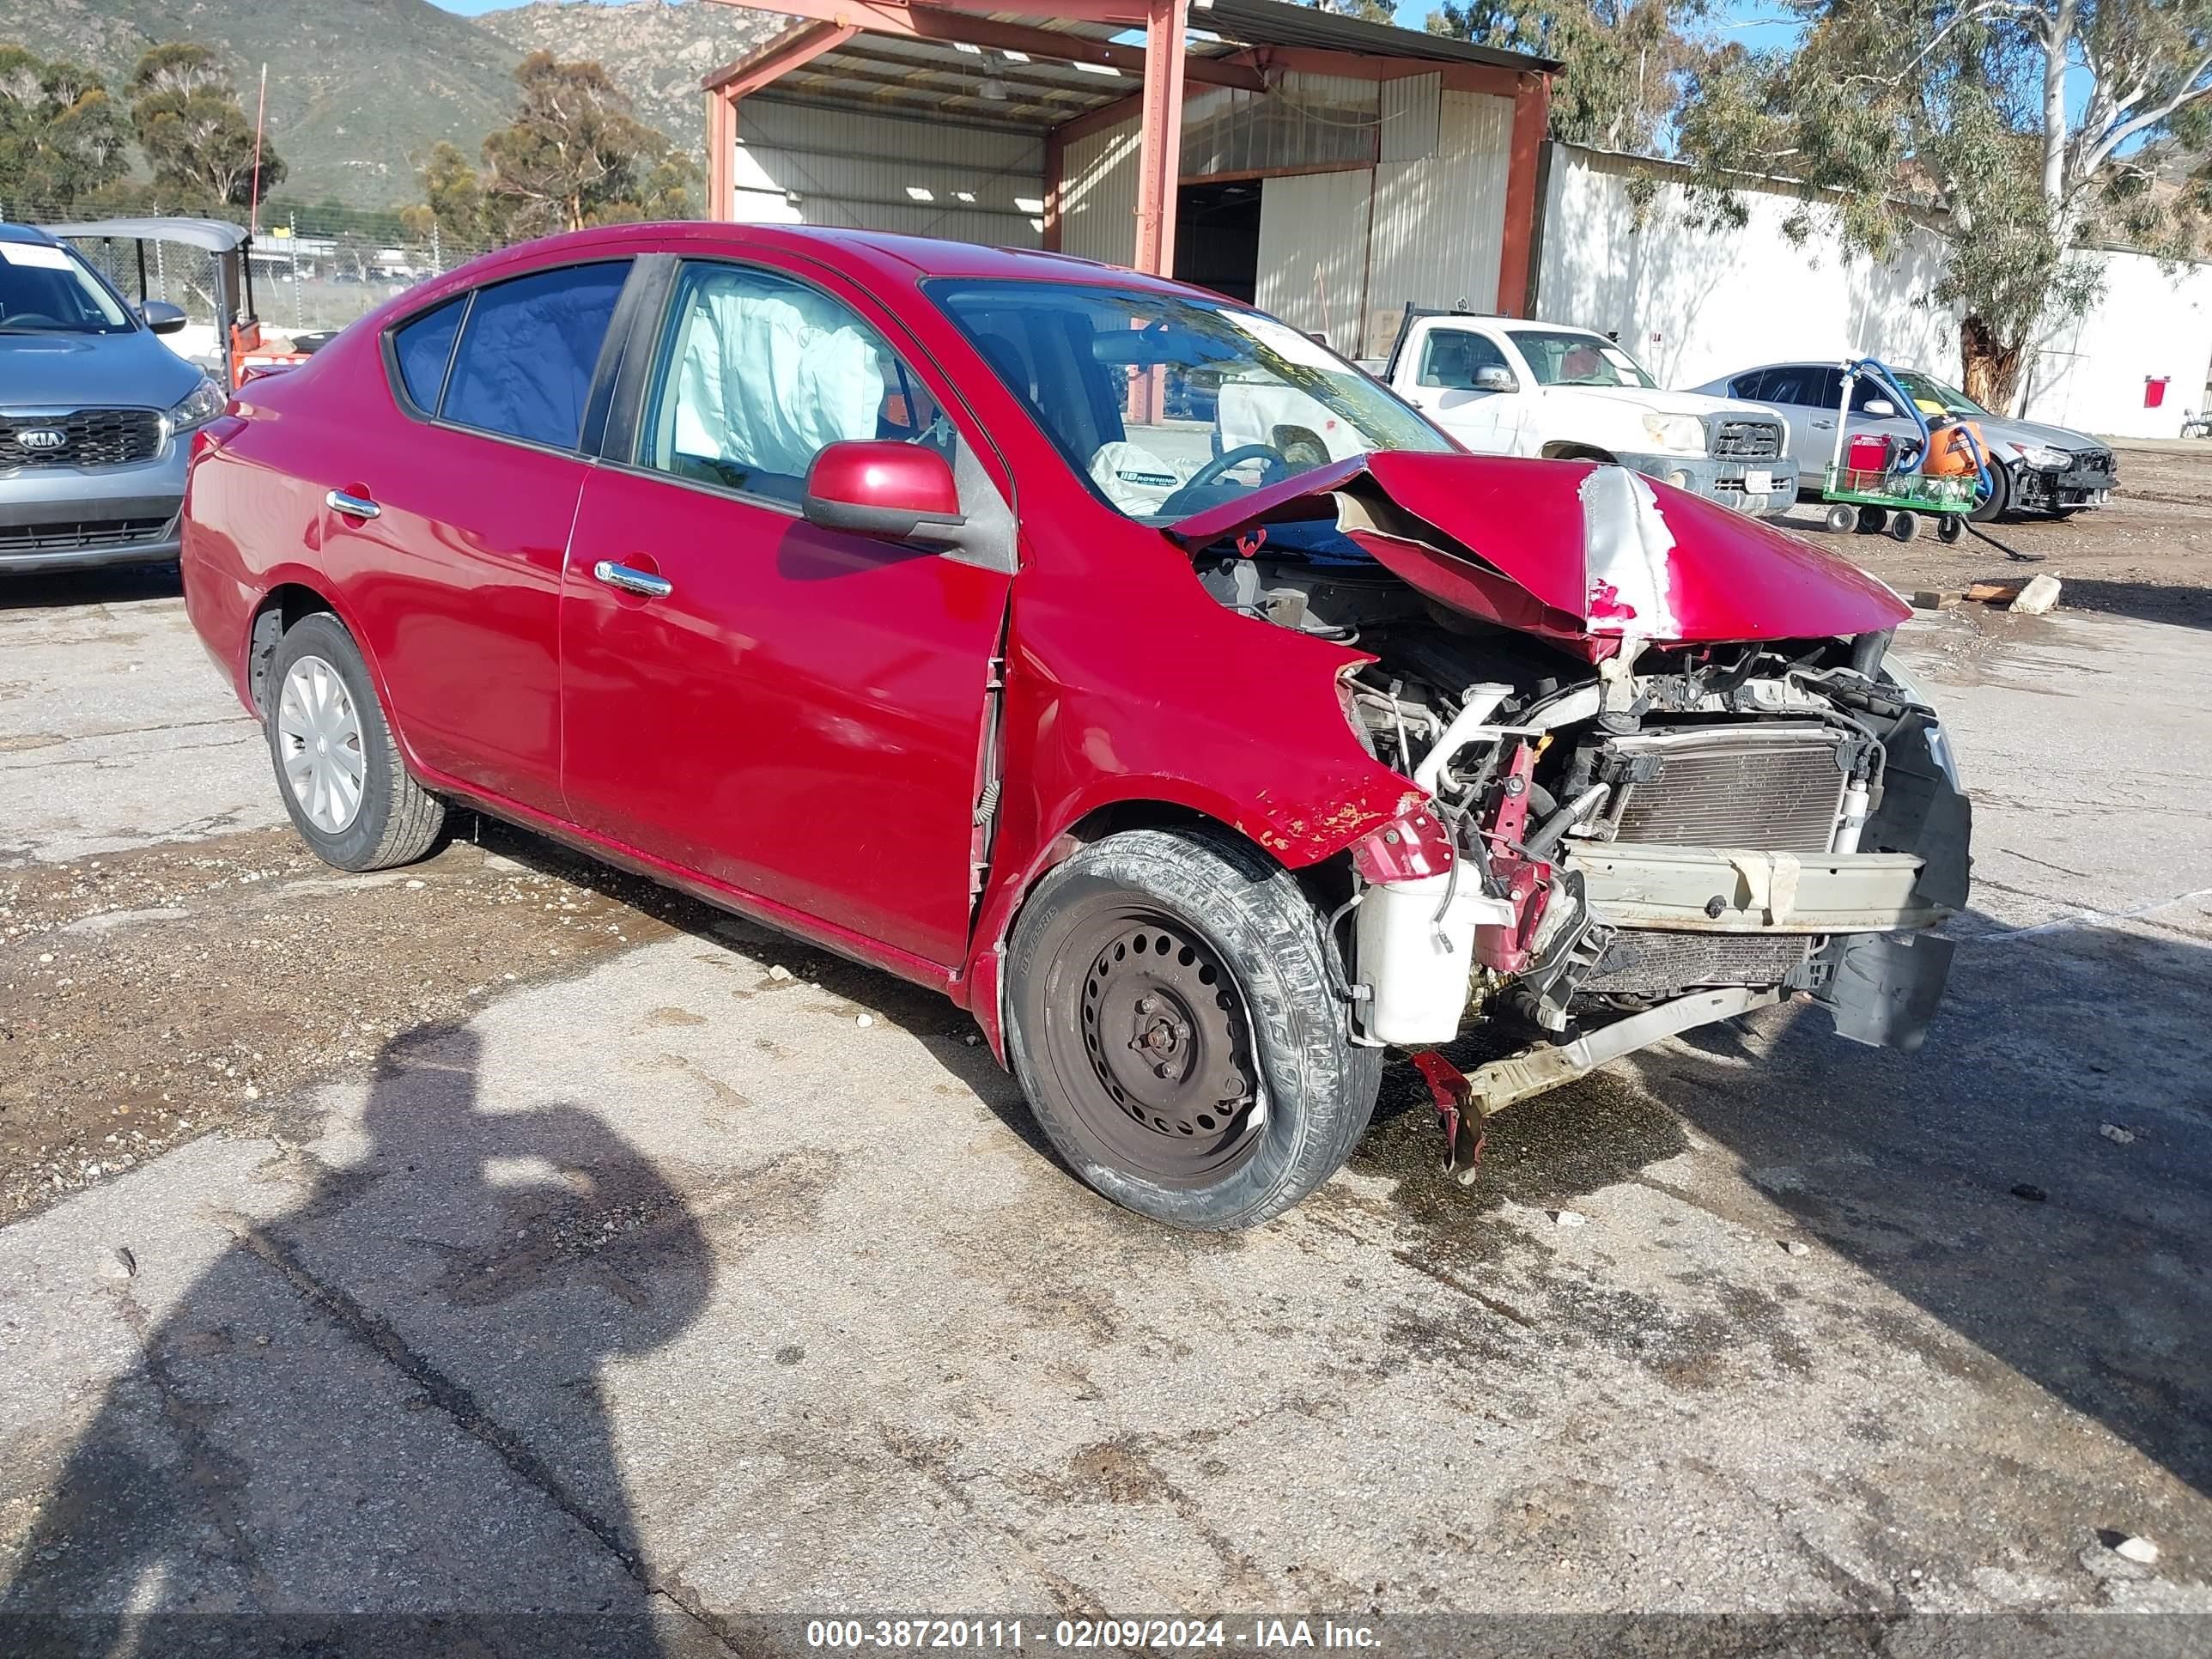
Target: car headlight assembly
[1677,434]
[2044,459]
[197,407]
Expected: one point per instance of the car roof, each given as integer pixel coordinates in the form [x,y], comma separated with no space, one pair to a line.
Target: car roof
[10,231]
[865,254]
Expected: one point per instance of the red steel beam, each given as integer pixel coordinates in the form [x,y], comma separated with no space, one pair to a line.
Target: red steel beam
[940,22]
[1532,114]
[1159,157]
[787,51]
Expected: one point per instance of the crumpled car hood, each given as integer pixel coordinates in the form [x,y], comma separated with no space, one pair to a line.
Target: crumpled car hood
[1572,551]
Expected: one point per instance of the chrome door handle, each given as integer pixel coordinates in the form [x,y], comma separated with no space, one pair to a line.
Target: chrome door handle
[354,506]
[633,581]
[1823,425]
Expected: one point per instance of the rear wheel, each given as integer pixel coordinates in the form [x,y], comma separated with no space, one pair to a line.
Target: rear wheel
[1843,520]
[1174,1024]
[1904,526]
[339,771]
[1871,519]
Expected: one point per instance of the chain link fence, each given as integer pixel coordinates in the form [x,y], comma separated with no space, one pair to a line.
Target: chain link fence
[314,271]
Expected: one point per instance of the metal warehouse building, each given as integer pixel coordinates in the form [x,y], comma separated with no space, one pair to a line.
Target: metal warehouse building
[1329,169]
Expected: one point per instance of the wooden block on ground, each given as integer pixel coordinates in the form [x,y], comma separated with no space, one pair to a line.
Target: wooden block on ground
[1994,592]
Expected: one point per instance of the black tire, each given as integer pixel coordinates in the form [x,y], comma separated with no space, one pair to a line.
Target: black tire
[1842,520]
[396,821]
[1950,528]
[1904,526]
[2000,497]
[1871,521]
[1239,930]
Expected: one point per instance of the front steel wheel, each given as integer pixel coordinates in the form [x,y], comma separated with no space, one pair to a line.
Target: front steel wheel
[1173,1020]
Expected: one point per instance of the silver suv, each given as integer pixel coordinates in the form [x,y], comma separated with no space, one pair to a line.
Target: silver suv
[94,412]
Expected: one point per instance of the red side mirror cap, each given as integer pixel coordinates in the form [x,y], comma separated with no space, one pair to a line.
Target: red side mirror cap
[875,487]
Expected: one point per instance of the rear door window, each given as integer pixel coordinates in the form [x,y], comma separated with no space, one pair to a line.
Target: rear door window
[422,348]
[529,351]
[758,373]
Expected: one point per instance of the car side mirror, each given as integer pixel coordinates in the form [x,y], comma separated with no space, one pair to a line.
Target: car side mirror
[1881,406]
[901,492]
[162,317]
[1494,379]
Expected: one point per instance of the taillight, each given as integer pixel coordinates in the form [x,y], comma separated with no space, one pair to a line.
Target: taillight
[1405,849]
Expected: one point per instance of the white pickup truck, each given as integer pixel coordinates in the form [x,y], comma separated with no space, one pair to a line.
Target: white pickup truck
[1502,386]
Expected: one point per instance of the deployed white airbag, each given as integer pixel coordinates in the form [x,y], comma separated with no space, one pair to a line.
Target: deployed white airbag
[768,381]
[1135,479]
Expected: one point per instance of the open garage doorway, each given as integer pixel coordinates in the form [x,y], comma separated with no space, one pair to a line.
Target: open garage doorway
[1217,237]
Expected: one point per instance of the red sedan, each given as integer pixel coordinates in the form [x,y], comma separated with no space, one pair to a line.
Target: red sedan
[899,593]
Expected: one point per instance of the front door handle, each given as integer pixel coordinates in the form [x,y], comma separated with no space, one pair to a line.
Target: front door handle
[353,506]
[1823,425]
[633,581]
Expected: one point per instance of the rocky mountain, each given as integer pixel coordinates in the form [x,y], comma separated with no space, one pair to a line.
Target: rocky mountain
[358,89]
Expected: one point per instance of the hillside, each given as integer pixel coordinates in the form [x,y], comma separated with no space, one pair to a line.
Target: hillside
[358,87]
[657,51]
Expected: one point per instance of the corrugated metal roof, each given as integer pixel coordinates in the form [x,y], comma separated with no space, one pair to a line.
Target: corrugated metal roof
[1277,23]
[894,74]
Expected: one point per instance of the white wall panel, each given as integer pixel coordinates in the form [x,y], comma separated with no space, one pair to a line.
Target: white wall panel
[1313,265]
[1412,114]
[1697,303]
[1694,303]
[807,164]
[1099,195]
[1440,220]
[2089,374]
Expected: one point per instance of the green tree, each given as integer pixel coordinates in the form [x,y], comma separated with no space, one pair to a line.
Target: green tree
[197,139]
[452,198]
[575,155]
[1627,62]
[61,136]
[1372,11]
[2017,131]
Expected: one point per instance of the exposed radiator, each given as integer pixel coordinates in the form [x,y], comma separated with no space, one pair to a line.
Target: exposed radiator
[1650,962]
[1775,787]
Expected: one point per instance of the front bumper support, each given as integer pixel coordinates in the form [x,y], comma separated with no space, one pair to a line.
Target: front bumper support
[1535,1071]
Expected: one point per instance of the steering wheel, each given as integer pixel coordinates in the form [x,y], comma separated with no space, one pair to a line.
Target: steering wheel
[20,319]
[1273,466]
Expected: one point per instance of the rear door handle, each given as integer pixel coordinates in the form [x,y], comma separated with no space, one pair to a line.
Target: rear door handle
[633,581]
[354,506]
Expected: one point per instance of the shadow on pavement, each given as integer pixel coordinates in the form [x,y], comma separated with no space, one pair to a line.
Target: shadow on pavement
[389,1397]
[1976,1177]
[121,584]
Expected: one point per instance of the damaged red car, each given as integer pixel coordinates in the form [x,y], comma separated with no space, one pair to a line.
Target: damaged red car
[899,594]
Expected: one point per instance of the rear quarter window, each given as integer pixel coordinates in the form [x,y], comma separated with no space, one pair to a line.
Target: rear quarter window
[421,349]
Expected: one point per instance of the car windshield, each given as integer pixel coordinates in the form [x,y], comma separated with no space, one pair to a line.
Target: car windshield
[1568,356]
[1933,396]
[1168,405]
[45,289]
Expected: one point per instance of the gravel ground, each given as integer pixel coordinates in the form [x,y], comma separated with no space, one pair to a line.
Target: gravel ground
[583,1252]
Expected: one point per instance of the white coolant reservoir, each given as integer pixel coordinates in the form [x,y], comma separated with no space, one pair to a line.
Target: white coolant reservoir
[1417,962]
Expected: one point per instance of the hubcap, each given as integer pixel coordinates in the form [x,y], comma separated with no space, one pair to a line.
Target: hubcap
[1170,1086]
[318,740]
